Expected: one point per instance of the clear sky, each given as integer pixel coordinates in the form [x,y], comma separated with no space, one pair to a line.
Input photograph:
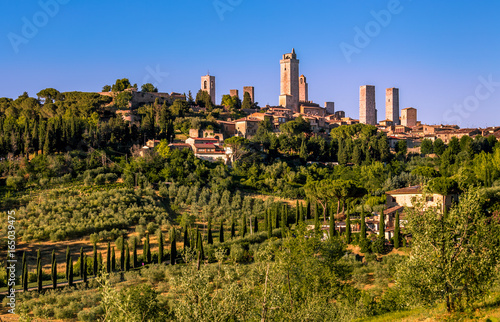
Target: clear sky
[442,55]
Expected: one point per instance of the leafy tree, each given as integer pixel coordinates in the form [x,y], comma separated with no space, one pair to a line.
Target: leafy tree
[106,88]
[303,151]
[148,88]
[238,147]
[443,186]
[426,147]
[203,99]
[121,85]
[454,254]
[439,147]
[48,95]
[402,147]
[296,126]
[122,100]
[247,101]
[231,102]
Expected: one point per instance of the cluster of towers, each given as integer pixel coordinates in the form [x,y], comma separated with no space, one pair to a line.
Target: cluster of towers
[208,85]
[368,110]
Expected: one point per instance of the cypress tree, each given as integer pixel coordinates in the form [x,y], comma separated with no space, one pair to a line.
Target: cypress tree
[173,248]
[297,212]
[382,225]
[54,269]
[81,262]
[85,269]
[186,238]
[134,253]
[95,263]
[147,250]
[39,276]
[269,228]
[283,218]
[70,275]
[266,220]
[25,277]
[396,230]
[255,225]
[127,259]
[67,262]
[160,247]
[108,259]
[200,246]
[277,216]
[301,213]
[113,260]
[244,226]
[210,238]
[348,229]
[122,254]
[363,224]
[221,231]
[233,230]
[38,258]
[308,210]
[23,267]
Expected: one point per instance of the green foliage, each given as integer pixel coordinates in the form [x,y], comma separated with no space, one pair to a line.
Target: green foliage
[148,87]
[121,85]
[453,255]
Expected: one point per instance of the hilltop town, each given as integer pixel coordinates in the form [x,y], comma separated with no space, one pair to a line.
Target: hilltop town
[400,125]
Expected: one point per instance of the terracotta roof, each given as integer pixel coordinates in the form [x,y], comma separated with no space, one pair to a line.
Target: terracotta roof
[204,145]
[406,191]
[393,209]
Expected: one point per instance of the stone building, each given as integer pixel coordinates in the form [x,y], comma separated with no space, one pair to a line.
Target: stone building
[330,107]
[303,89]
[409,116]
[392,105]
[289,87]
[208,85]
[247,127]
[234,92]
[250,90]
[367,109]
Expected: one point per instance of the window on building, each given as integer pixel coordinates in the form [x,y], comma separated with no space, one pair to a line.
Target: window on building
[205,85]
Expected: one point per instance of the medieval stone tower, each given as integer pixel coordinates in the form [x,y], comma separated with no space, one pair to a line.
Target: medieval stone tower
[289,96]
[367,109]
[303,89]
[392,105]
[208,85]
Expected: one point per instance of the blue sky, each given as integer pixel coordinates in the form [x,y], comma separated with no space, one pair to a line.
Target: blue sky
[443,56]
